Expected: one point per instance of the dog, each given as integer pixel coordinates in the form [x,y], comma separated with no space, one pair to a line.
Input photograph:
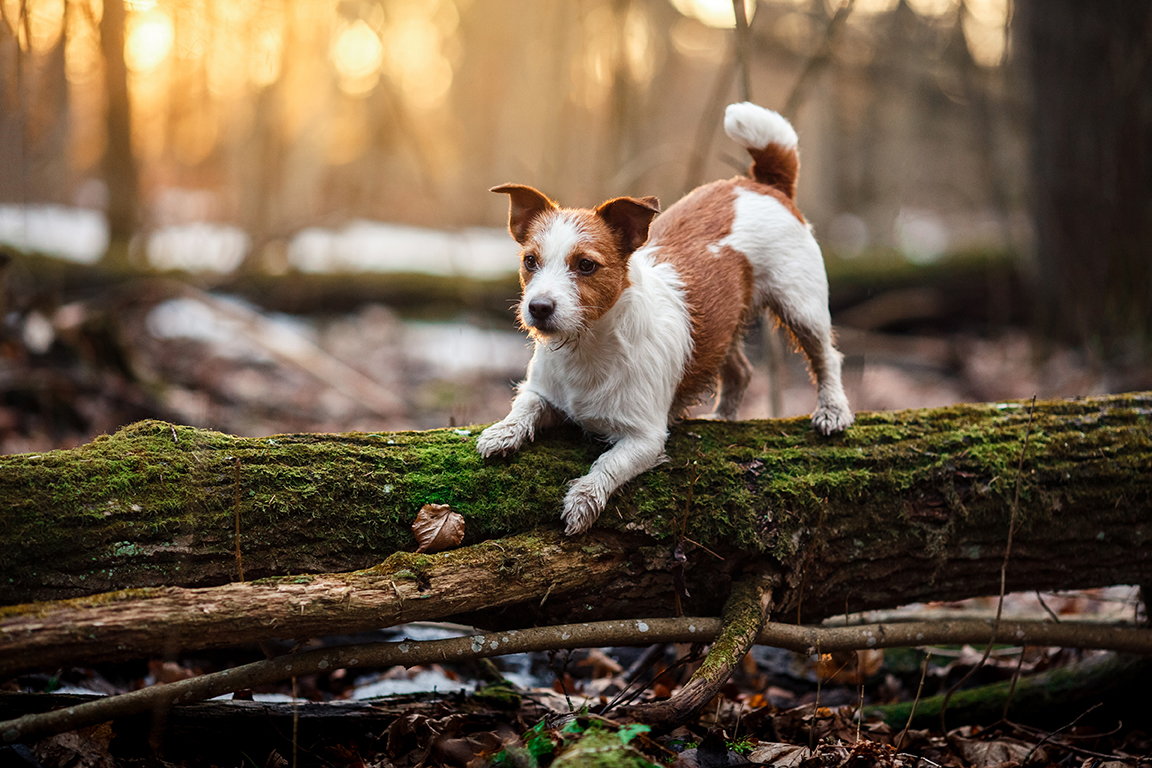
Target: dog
[636,316]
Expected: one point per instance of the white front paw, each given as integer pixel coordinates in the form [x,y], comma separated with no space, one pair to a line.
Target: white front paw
[832,418]
[500,439]
[582,506]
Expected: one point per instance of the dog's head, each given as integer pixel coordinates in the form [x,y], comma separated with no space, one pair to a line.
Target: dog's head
[573,261]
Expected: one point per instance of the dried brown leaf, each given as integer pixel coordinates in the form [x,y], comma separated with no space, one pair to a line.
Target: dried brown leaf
[787,755]
[438,528]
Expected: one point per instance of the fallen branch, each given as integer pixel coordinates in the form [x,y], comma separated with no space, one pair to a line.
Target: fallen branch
[406,587]
[595,634]
[743,618]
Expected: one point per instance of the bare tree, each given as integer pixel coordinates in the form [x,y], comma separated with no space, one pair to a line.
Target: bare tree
[1091,76]
[120,171]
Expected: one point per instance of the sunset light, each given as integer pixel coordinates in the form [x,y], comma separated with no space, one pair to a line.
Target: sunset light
[357,54]
[149,41]
[714,13]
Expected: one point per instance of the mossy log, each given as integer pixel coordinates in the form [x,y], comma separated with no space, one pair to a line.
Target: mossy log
[1057,695]
[906,506]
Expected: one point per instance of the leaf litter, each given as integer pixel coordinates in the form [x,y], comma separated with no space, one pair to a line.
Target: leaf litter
[780,709]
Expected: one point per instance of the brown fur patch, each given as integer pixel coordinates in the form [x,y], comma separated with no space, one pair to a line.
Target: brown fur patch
[776,166]
[718,285]
[599,290]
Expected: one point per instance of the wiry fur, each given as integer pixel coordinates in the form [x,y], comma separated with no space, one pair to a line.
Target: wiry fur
[629,334]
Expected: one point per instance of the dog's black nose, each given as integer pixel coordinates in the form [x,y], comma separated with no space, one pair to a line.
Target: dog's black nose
[541,309]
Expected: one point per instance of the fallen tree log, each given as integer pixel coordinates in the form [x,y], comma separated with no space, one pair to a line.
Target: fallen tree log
[906,506]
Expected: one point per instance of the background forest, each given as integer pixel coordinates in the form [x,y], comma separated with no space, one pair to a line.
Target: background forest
[271,216]
[313,174]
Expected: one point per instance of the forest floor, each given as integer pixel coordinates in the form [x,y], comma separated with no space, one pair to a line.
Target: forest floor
[533,710]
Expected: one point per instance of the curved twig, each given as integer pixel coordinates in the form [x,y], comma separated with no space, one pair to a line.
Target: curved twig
[744,616]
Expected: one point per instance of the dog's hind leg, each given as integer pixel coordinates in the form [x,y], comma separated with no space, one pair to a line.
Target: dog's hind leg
[734,377]
[811,325]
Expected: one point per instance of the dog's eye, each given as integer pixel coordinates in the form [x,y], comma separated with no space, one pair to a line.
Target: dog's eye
[530,262]
[587,266]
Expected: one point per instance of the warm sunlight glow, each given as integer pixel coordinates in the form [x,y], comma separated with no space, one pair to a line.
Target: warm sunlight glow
[264,66]
[868,7]
[347,131]
[46,23]
[357,54]
[993,13]
[83,61]
[195,136]
[933,8]
[84,68]
[414,47]
[692,38]
[985,42]
[639,47]
[714,13]
[148,42]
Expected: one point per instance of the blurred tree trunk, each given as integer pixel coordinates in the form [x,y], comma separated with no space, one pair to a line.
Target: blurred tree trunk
[1091,76]
[120,172]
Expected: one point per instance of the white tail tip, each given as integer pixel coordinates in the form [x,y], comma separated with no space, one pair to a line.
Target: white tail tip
[754,127]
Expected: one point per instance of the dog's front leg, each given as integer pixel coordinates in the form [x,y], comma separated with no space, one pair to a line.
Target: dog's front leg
[529,412]
[588,495]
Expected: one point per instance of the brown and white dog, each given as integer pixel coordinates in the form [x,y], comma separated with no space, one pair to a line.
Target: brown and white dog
[634,319]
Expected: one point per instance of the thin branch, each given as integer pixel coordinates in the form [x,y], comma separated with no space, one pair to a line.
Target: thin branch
[595,634]
[817,62]
[743,49]
[915,701]
[744,616]
[1047,738]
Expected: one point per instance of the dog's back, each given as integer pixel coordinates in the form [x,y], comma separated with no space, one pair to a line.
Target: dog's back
[741,245]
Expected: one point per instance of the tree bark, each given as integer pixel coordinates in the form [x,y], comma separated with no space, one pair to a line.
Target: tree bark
[120,171]
[1089,66]
[905,507]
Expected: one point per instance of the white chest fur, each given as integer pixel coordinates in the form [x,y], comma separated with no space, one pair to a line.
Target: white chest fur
[620,378]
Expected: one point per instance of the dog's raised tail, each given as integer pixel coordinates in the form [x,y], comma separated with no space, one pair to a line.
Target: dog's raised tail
[770,140]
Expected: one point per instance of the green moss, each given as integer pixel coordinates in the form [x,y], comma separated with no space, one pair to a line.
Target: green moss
[598,748]
[162,501]
[498,695]
[743,617]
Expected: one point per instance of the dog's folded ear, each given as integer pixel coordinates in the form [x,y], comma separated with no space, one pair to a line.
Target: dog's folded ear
[629,218]
[525,204]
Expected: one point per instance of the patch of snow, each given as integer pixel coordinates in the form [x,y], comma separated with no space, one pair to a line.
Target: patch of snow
[371,246]
[75,234]
[425,680]
[198,247]
[450,349]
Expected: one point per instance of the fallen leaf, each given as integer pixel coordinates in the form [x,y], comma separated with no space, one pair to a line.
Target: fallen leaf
[602,664]
[850,667]
[996,752]
[438,528]
[82,748]
[786,755]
